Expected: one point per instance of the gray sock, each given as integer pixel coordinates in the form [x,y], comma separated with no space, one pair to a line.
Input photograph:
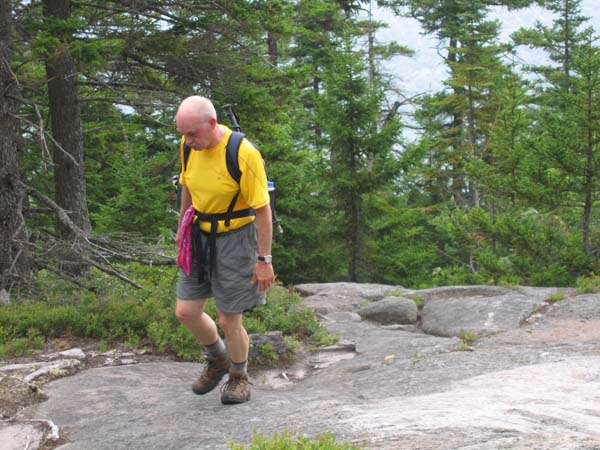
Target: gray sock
[216,349]
[240,367]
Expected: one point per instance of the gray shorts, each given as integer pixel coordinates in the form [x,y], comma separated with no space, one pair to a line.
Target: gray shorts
[231,281]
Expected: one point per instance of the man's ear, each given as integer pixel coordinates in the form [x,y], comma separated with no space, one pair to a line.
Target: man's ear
[213,122]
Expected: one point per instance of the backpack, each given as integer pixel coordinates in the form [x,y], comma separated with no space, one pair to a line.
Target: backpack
[233,167]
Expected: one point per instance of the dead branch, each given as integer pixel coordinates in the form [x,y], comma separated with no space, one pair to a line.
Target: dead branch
[62,215]
[43,133]
[96,251]
[69,278]
[112,272]
[123,256]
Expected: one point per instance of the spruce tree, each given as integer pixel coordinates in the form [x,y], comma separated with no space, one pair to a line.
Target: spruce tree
[359,147]
[568,115]
[14,254]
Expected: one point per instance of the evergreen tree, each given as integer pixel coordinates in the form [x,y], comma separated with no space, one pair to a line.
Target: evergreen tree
[556,40]
[359,147]
[63,99]
[458,124]
[467,109]
[14,254]
[567,125]
[504,174]
[570,132]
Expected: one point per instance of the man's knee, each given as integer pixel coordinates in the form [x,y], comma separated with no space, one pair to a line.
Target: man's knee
[186,311]
[230,322]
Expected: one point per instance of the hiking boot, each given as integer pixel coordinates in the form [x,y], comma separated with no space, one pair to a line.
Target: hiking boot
[236,389]
[216,368]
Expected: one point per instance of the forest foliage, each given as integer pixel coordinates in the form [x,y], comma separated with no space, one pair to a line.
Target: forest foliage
[492,179]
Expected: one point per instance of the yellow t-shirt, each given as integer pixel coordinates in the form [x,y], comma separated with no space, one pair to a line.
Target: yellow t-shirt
[212,188]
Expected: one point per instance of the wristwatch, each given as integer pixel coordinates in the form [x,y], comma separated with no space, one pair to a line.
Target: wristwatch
[265,258]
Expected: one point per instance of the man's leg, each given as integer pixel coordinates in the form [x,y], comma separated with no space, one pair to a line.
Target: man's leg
[236,338]
[191,314]
[237,388]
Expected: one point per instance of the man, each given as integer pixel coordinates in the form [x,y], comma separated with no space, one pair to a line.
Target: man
[232,258]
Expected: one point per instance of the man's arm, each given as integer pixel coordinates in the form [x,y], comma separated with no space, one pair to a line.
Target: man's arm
[264,274]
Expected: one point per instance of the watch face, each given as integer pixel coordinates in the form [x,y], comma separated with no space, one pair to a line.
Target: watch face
[267,258]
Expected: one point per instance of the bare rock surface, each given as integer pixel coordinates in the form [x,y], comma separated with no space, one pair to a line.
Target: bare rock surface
[369,291]
[478,310]
[390,310]
[21,436]
[531,381]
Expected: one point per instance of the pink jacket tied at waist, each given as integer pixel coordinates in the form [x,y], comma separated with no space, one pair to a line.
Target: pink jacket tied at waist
[184,254]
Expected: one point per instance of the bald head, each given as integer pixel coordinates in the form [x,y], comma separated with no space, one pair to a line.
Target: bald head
[196,119]
[200,108]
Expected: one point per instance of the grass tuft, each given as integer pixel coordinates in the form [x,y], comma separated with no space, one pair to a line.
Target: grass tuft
[556,297]
[288,441]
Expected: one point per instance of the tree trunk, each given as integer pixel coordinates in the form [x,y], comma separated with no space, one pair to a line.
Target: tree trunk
[355,218]
[585,224]
[273,49]
[371,53]
[567,54]
[14,257]
[69,177]
[589,180]
[457,180]
[355,236]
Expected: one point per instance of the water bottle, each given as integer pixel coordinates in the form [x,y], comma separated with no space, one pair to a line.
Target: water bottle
[271,188]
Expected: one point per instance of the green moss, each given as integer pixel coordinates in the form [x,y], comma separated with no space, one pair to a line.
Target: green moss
[288,441]
[556,297]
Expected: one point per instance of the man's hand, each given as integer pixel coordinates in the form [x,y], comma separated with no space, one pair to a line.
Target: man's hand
[263,275]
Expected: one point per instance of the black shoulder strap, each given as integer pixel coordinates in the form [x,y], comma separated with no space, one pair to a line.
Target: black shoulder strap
[186,155]
[231,157]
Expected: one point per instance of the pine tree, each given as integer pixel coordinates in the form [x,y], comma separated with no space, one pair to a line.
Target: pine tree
[65,118]
[361,159]
[568,119]
[14,254]
[465,110]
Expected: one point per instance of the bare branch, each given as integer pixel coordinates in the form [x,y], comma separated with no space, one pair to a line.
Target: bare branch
[69,278]
[118,101]
[111,272]
[117,84]
[43,143]
[96,251]
[62,215]
[43,134]
[7,64]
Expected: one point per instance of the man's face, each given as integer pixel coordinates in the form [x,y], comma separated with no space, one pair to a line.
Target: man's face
[196,133]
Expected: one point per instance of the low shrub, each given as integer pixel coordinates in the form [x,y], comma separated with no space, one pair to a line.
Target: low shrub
[588,284]
[117,312]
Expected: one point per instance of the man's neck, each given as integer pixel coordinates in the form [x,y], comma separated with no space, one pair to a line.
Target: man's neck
[218,135]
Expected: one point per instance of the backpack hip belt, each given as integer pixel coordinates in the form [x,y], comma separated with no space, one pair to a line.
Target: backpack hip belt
[206,256]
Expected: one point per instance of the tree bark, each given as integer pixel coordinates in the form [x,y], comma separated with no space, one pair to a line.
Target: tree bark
[273,49]
[14,257]
[457,180]
[589,180]
[65,118]
[355,217]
